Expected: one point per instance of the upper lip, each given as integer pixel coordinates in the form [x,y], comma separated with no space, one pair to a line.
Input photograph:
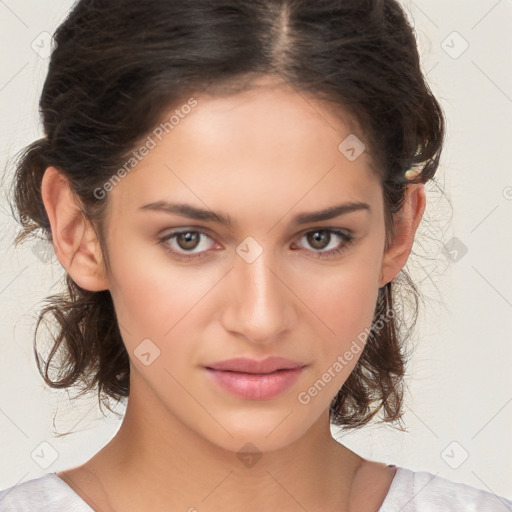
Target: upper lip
[246,365]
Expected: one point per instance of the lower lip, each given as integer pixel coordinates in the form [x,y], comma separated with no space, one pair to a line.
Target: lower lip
[253,386]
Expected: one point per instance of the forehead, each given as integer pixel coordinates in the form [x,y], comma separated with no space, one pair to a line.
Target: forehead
[270,142]
[270,116]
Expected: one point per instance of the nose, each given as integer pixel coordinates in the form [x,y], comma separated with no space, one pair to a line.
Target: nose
[259,304]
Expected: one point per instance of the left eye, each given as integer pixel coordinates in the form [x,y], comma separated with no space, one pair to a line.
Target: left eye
[319,239]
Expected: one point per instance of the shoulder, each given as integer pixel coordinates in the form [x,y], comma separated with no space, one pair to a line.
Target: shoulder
[47,493]
[418,491]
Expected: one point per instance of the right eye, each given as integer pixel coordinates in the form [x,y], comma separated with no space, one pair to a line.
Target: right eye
[184,240]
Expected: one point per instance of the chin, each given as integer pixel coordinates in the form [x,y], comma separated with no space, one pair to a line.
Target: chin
[257,432]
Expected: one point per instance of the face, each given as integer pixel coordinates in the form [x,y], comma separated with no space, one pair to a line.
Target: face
[267,284]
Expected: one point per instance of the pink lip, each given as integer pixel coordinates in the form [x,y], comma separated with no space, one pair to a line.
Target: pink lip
[255,380]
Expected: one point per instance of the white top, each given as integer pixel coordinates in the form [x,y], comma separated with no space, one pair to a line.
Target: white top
[410,491]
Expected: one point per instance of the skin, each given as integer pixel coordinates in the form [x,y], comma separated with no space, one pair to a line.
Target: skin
[262,157]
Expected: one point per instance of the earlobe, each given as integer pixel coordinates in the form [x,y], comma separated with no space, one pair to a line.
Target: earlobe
[406,223]
[74,239]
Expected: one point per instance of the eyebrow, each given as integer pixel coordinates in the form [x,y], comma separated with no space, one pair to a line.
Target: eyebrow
[193,212]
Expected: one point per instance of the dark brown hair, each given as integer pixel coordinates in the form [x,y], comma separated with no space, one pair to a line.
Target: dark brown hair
[117,67]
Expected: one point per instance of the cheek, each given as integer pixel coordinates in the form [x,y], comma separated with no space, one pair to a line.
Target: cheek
[345,294]
[345,305]
[153,297]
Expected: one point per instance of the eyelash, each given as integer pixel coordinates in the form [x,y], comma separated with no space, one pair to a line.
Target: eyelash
[347,239]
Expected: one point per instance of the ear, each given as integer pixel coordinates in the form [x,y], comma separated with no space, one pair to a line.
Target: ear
[406,222]
[74,239]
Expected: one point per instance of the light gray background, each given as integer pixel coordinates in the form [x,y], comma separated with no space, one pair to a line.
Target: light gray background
[459,398]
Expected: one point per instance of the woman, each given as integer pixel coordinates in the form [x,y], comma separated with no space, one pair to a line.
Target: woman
[233,188]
